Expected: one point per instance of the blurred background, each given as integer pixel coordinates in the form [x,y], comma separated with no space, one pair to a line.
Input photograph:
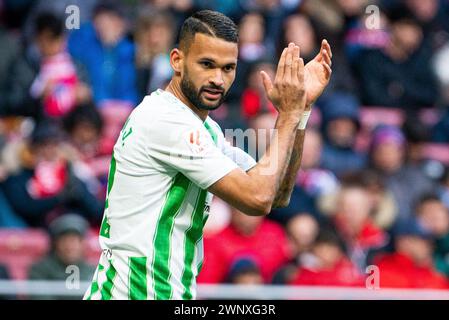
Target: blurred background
[373,189]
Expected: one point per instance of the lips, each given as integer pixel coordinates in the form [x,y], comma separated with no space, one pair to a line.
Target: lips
[212,94]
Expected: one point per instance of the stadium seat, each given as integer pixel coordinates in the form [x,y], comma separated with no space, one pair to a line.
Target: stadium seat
[437,151]
[19,249]
[370,117]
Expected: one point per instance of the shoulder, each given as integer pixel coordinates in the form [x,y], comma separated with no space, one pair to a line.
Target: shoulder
[162,119]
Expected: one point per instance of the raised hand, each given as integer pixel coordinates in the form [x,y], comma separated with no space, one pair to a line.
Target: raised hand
[288,91]
[317,73]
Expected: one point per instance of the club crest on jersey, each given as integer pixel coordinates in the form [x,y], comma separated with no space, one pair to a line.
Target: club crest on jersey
[197,141]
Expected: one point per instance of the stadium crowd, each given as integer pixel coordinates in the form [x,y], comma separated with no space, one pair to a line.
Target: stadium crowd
[373,188]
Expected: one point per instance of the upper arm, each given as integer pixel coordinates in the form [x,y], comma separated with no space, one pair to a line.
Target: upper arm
[189,149]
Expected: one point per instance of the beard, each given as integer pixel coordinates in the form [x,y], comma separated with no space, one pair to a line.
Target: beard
[194,95]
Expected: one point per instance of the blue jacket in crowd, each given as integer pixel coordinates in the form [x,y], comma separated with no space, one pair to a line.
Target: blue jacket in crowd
[111,69]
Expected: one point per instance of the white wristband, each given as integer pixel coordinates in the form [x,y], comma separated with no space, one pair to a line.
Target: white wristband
[303,122]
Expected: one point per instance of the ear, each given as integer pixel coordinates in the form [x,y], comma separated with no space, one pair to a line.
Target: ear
[177,60]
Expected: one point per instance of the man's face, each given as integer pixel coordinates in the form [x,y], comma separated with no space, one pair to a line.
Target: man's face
[342,131]
[435,217]
[110,28]
[208,71]
[69,248]
[49,45]
[416,248]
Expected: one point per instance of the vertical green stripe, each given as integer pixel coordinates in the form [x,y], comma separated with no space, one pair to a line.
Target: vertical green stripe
[106,290]
[211,132]
[162,238]
[193,235]
[138,278]
[105,227]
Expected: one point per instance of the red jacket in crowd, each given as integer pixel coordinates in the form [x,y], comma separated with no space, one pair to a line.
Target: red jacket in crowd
[344,273]
[267,246]
[399,271]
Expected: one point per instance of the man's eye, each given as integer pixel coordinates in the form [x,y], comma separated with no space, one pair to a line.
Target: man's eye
[206,64]
[228,68]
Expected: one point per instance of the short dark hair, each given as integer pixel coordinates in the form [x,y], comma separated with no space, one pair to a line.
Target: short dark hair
[49,22]
[329,235]
[108,6]
[83,113]
[426,197]
[208,22]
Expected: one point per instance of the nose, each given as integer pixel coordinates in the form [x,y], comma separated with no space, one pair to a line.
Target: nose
[217,78]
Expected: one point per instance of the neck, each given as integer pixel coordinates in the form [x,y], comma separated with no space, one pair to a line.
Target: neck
[174,88]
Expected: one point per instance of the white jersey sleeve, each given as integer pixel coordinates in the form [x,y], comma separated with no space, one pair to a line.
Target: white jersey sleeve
[188,147]
[240,157]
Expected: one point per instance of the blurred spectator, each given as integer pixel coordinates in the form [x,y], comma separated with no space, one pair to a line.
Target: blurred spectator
[9,52]
[406,181]
[252,50]
[335,14]
[251,37]
[247,236]
[402,70]
[58,8]
[411,265]
[302,230]
[433,15]
[8,218]
[16,79]
[443,188]
[440,132]
[13,13]
[244,271]
[67,252]
[84,126]
[417,134]
[303,31]
[107,55]
[273,12]
[57,84]
[180,9]
[434,217]
[354,223]
[330,266]
[311,178]
[383,205]
[46,184]
[154,37]
[340,125]
[254,100]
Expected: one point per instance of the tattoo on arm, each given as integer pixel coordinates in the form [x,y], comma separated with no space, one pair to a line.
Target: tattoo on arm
[288,182]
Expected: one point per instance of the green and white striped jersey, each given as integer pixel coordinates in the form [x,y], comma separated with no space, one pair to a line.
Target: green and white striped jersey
[157,201]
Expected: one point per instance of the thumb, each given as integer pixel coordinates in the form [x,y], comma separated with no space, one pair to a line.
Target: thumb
[268,85]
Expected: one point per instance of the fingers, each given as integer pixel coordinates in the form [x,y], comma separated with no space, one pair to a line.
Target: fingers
[288,73]
[300,71]
[326,57]
[327,69]
[325,45]
[295,66]
[281,66]
[268,85]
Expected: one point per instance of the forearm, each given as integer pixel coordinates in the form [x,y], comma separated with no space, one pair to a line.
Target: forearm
[284,193]
[272,167]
